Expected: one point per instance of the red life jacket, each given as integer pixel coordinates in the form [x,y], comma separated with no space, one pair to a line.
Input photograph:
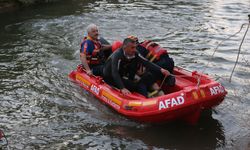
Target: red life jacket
[116,45]
[93,58]
[155,50]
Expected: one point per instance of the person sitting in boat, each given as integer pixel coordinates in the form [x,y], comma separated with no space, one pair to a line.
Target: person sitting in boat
[91,52]
[158,55]
[121,67]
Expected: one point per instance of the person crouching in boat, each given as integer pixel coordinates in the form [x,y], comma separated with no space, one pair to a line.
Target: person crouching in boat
[91,55]
[121,67]
[159,56]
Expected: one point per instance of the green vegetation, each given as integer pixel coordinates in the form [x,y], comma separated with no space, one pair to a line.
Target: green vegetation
[9,5]
[26,2]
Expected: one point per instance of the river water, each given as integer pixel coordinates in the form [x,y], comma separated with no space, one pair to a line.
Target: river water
[39,46]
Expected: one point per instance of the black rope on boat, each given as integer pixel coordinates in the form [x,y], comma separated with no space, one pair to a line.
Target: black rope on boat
[240,48]
[157,91]
[216,48]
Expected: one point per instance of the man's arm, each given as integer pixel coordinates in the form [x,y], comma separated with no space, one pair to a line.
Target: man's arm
[153,67]
[83,57]
[106,47]
[85,63]
[115,62]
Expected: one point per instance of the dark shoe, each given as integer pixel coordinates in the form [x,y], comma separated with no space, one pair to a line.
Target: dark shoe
[170,80]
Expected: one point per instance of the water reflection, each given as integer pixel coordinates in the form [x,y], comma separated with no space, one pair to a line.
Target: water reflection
[39,46]
[207,134]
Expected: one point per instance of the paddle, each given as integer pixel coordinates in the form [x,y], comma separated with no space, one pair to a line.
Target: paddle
[157,91]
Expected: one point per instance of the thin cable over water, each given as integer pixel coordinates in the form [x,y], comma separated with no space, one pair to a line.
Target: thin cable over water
[216,48]
[239,50]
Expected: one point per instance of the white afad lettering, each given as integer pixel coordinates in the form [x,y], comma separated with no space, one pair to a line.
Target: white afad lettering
[174,102]
[167,102]
[161,105]
[95,89]
[180,100]
[171,102]
[217,90]
[110,102]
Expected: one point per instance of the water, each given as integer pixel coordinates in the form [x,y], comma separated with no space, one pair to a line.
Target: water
[41,109]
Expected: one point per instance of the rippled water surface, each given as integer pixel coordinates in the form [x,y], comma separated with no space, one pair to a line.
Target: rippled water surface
[41,109]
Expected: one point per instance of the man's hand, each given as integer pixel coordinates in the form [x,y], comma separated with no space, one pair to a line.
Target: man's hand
[165,72]
[125,91]
[89,72]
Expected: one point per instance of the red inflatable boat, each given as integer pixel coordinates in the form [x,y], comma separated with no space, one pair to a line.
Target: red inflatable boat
[192,93]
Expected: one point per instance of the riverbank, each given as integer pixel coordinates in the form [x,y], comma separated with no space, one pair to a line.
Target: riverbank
[12,5]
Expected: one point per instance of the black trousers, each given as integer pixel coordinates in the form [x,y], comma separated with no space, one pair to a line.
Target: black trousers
[167,63]
[97,70]
[141,87]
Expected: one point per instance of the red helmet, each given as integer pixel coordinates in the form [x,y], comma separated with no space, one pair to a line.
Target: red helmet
[116,45]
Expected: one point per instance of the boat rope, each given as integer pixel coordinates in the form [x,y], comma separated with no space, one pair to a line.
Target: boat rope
[216,48]
[240,48]
[163,81]
[157,91]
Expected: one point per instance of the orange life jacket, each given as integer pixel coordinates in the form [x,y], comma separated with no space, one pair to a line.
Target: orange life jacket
[93,58]
[155,50]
